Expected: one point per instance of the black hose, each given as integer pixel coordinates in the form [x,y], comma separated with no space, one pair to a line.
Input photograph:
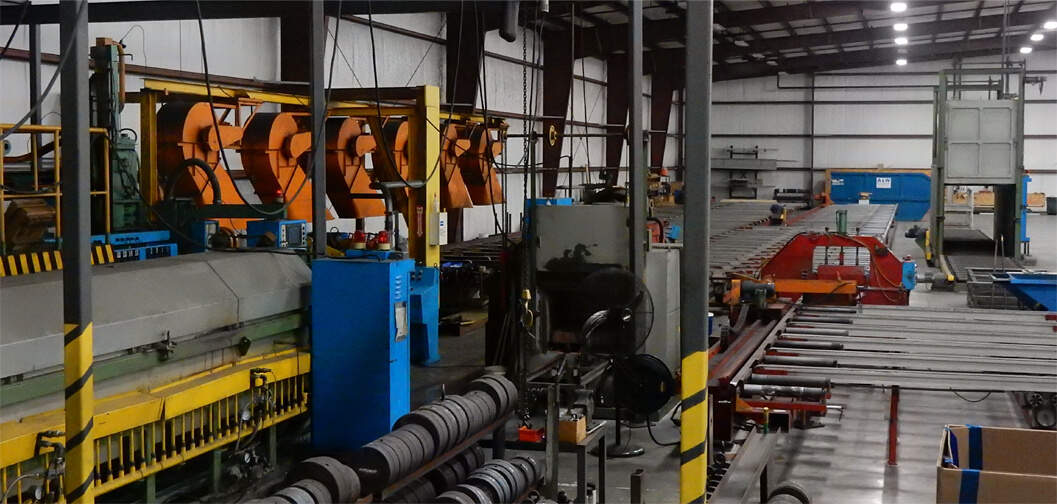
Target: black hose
[170,188]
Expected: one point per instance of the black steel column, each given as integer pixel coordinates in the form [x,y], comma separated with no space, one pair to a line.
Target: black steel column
[34,83]
[318,36]
[76,215]
[636,150]
[694,280]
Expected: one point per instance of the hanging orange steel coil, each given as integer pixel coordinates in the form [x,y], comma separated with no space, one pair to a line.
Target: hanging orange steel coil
[272,146]
[453,193]
[477,167]
[186,131]
[347,144]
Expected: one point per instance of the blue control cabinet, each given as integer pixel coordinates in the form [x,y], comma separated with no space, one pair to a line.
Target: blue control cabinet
[361,374]
[425,316]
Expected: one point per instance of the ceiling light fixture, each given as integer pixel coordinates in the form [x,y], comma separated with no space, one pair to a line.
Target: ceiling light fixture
[901,40]
[901,62]
[898,6]
[900,27]
[1050,25]
[772,62]
[1025,50]
[741,43]
[1036,37]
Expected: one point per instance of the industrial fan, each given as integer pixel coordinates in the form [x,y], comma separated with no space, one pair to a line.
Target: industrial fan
[620,320]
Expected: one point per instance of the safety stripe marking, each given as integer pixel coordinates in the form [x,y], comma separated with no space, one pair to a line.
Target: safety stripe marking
[36,262]
[24,263]
[109,254]
[695,399]
[692,454]
[76,386]
[47,261]
[81,436]
[79,492]
[75,332]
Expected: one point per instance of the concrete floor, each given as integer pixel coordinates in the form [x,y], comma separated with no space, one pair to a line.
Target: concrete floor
[842,462]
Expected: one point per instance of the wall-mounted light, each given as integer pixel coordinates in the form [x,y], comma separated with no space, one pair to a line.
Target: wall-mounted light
[1025,50]
[901,40]
[901,62]
[900,27]
[898,6]
[1036,37]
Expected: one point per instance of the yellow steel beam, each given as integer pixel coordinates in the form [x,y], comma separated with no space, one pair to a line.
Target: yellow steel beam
[221,92]
[148,166]
[424,159]
[368,112]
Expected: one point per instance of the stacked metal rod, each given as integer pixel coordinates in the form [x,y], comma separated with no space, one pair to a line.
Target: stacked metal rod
[919,348]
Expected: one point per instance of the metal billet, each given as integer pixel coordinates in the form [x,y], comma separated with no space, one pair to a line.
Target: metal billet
[318,491]
[497,489]
[456,428]
[294,495]
[342,482]
[433,423]
[476,495]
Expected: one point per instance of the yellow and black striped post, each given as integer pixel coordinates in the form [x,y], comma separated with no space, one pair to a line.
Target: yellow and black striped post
[694,272]
[76,253]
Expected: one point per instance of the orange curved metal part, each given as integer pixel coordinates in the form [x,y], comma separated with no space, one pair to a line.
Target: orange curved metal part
[396,136]
[477,168]
[453,191]
[185,131]
[346,145]
[271,146]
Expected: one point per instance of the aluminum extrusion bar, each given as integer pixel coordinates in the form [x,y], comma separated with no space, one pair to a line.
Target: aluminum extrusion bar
[922,380]
[1046,366]
[904,313]
[967,348]
[895,336]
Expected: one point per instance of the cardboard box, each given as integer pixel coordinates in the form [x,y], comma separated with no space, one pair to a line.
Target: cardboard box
[572,431]
[992,465]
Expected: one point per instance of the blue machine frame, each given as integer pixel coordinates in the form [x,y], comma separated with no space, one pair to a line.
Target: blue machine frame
[138,246]
[425,316]
[288,233]
[361,374]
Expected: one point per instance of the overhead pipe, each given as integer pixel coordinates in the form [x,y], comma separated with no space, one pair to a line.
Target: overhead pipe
[508,27]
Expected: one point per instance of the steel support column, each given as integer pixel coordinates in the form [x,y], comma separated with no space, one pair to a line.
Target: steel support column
[694,281]
[76,277]
[664,84]
[465,48]
[636,149]
[893,427]
[317,42]
[34,83]
[558,69]
[616,114]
